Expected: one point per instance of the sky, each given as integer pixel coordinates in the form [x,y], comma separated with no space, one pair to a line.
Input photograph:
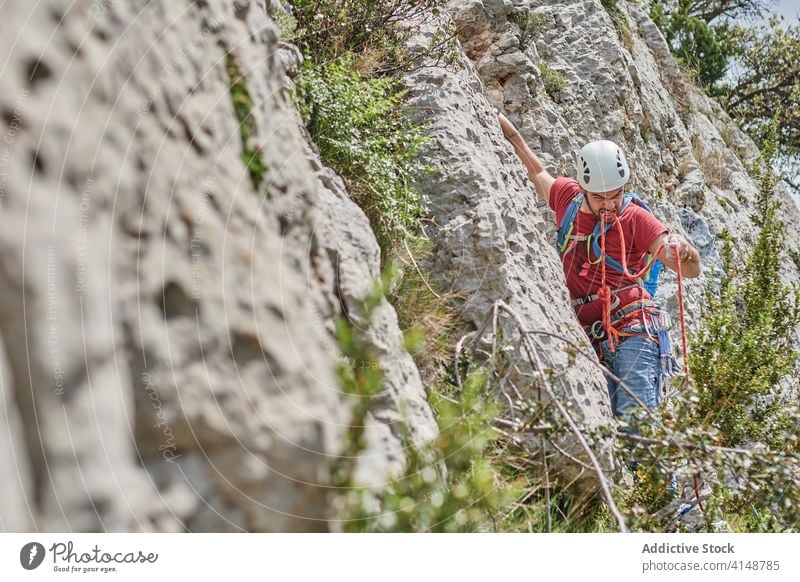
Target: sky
[789,8]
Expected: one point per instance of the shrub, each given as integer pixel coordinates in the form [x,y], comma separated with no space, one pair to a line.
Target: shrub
[794,254]
[554,81]
[745,343]
[287,25]
[767,80]
[361,132]
[529,25]
[360,378]
[695,42]
[448,484]
[373,31]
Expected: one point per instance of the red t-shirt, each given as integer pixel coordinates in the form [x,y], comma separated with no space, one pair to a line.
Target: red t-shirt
[640,229]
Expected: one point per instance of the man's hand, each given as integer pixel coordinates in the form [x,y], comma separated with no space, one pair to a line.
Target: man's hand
[541,178]
[676,248]
[509,131]
[680,246]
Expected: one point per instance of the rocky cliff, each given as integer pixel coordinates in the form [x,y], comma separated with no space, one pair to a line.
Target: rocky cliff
[168,353]
[168,358]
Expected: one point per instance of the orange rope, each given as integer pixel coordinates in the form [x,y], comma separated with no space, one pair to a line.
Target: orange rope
[624,261]
[604,293]
[683,318]
[697,493]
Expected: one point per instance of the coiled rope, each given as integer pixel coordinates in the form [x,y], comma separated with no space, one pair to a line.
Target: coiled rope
[604,293]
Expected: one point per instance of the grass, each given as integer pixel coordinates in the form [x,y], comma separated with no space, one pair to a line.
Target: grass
[620,22]
[529,24]
[243,107]
[427,316]
[554,81]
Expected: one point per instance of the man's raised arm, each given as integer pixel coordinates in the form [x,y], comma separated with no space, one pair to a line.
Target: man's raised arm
[541,178]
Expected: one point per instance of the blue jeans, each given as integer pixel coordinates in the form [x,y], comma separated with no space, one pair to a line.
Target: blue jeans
[636,362]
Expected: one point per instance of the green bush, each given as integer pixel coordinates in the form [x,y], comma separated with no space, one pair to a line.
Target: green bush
[529,23]
[744,347]
[765,497]
[360,378]
[767,80]
[695,42]
[287,25]
[448,484]
[361,132]
[374,31]
[554,81]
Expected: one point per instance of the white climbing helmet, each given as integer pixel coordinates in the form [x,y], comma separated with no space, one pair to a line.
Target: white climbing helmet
[602,166]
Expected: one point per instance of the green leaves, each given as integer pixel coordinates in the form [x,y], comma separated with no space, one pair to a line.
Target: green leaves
[448,483]
[754,70]
[554,81]
[744,347]
[694,41]
[243,106]
[375,31]
[361,132]
[768,81]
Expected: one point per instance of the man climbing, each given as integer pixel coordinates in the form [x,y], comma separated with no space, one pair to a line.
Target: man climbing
[597,219]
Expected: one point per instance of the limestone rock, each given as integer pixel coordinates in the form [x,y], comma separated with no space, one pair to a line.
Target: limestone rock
[490,238]
[167,314]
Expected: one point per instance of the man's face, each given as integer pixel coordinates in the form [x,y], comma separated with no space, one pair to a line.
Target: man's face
[600,202]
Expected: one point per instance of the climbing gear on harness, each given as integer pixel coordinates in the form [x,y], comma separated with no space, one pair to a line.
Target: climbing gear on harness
[655,326]
[590,298]
[665,366]
[647,307]
[602,166]
[666,359]
[564,236]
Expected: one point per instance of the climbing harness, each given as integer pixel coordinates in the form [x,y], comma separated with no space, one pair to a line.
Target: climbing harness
[604,293]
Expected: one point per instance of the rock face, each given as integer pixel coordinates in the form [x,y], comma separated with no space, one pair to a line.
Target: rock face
[167,346]
[491,241]
[167,316]
[563,87]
